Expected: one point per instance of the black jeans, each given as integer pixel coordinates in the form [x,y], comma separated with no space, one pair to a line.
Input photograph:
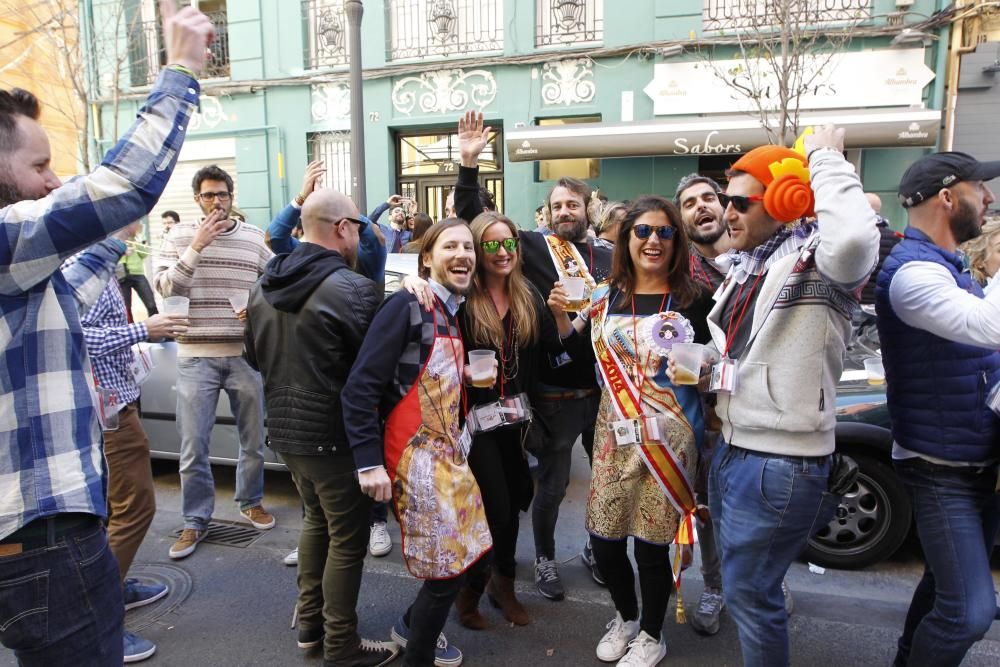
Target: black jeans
[426,618]
[501,472]
[655,579]
[62,605]
[558,423]
[141,285]
[379,513]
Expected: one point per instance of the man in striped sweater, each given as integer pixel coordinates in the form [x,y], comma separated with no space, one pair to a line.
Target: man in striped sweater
[209,262]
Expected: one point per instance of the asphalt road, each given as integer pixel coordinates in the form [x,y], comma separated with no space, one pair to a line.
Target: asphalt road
[232,606]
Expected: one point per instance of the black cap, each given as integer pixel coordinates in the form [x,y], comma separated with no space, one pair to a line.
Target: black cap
[932,173]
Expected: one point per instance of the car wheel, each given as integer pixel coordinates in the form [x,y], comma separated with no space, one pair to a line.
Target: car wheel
[870,523]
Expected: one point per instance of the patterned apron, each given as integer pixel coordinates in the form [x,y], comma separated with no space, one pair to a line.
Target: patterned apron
[438,502]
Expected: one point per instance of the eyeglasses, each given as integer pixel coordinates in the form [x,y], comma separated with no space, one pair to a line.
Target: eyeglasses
[209,196]
[493,247]
[359,223]
[739,202]
[665,232]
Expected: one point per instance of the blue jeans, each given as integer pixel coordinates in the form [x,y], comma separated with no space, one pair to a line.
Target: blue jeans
[199,380]
[956,515]
[764,508]
[62,605]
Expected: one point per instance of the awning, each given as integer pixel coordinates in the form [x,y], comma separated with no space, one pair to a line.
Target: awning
[716,135]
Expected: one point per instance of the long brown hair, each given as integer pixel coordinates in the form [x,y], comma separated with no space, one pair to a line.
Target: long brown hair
[487,328]
[683,290]
[428,240]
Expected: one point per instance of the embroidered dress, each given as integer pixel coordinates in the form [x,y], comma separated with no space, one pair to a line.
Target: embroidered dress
[626,498]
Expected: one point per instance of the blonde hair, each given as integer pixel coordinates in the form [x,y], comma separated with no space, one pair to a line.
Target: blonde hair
[978,248]
[485,323]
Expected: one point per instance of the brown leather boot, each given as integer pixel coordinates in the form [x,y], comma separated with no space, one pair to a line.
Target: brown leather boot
[501,593]
[467,606]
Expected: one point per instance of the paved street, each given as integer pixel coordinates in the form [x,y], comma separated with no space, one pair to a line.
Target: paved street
[232,607]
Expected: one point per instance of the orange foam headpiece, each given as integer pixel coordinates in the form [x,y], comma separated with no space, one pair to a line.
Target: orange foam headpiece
[785,174]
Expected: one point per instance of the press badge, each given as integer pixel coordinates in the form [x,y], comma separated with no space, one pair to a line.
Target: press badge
[507,411]
[465,442]
[141,366]
[627,432]
[723,377]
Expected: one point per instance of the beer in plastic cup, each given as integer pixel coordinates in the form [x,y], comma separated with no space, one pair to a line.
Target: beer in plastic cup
[239,301]
[876,373]
[576,290]
[687,362]
[176,305]
[481,368]
[109,408]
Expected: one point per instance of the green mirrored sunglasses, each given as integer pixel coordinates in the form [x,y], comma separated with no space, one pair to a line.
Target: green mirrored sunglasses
[492,247]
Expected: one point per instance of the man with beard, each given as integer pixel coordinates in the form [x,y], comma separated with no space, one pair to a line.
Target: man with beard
[305,323]
[697,197]
[410,372]
[62,596]
[209,262]
[939,346]
[779,328]
[565,403]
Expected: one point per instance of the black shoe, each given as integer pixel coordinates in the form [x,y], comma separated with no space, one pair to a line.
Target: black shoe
[587,556]
[547,579]
[311,637]
[368,654]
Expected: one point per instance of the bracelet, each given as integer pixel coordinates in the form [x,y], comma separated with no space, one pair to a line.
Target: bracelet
[821,148]
[300,199]
[182,69]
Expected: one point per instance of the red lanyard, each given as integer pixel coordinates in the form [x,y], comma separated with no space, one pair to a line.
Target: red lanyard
[454,353]
[640,367]
[730,330]
[506,346]
[700,270]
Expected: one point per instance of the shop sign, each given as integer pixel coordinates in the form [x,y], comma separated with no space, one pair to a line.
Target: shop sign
[856,79]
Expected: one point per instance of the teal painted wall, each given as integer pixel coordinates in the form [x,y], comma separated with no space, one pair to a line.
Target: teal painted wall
[271,123]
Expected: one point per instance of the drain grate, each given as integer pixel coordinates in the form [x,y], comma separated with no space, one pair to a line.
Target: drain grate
[229,534]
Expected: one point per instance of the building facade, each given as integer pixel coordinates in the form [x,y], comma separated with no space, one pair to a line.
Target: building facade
[628,95]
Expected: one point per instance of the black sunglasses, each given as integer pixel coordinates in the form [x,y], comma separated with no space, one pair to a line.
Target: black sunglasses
[665,232]
[740,203]
[359,223]
[493,247]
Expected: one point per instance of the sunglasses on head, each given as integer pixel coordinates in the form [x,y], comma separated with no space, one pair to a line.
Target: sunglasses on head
[493,247]
[739,202]
[665,232]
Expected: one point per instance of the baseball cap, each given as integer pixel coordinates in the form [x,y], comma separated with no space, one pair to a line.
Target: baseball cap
[932,173]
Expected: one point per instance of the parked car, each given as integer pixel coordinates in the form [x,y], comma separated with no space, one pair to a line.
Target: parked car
[158,399]
[870,524]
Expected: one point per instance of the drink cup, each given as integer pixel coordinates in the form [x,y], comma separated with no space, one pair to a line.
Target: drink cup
[239,301]
[481,368]
[687,362]
[176,305]
[876,373]
[109,408]
[575,287]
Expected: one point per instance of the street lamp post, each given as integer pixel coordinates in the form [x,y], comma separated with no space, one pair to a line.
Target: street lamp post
[355,11]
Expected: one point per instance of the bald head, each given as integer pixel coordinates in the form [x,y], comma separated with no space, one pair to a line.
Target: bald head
[874,201]
[327,220]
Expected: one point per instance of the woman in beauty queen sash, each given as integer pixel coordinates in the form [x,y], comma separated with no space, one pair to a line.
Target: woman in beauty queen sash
[645,450]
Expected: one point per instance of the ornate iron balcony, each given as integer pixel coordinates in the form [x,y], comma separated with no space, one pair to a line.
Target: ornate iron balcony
[736,15]
[422,28]
[324,33]
[569,22]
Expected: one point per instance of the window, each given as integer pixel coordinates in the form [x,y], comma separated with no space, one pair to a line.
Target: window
[569,22]
[334,149]
[584,168]
[324,30]
[420,28]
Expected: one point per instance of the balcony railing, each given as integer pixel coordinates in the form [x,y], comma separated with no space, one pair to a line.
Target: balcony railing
[569,22]
[421,28]
[735,15]
[324,30]
[147,52]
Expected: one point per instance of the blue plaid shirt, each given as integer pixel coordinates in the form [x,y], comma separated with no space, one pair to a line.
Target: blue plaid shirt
[51,458]
[109,339]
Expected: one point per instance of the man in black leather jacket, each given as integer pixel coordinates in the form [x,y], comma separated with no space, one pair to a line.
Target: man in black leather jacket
[305,322]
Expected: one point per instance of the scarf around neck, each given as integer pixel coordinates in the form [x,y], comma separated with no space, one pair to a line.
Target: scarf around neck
[786,241]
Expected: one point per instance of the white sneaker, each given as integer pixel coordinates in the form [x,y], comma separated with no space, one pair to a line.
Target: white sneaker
[292,558]
[615,642]
[379,541]
[644,651]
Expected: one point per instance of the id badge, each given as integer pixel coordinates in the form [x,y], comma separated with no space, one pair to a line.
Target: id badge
[627,432]
[653,430]
[560,360]
[488,416]
[515,409]
[993,399]
[723,377]
[465,443]
[141,365]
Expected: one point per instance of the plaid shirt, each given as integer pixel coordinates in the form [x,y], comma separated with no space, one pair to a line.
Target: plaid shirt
[51,458]
[109,339]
